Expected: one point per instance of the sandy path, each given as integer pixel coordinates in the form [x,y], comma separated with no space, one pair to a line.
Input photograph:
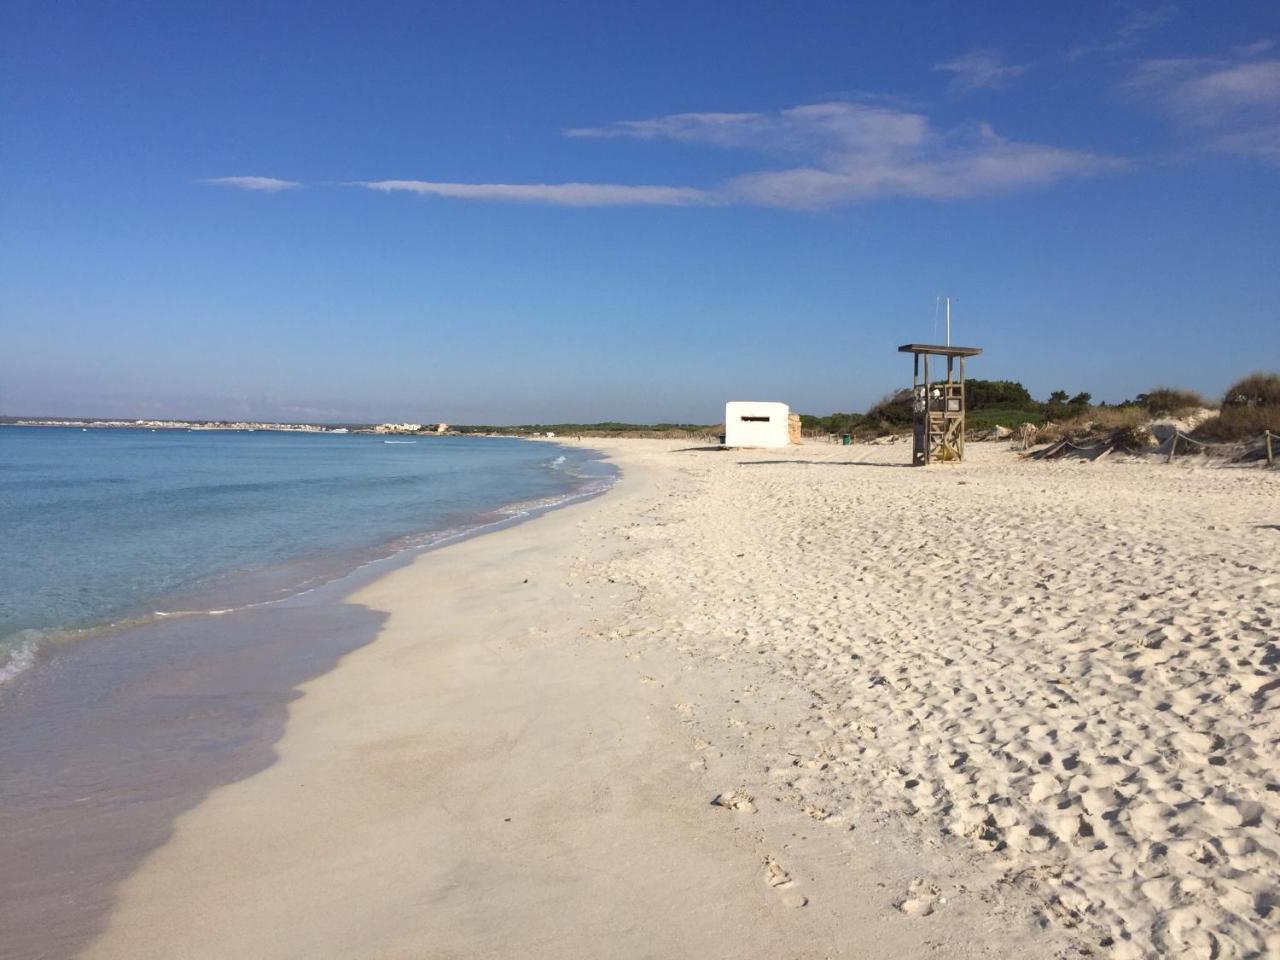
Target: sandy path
[497,775]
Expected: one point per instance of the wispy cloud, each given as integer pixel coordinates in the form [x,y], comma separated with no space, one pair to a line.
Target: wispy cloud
[1129,35]
[264,184]
[979,70]
[823,155]
[723,129]
[564,194]
[1234,102]
[1202,91]
[853,152]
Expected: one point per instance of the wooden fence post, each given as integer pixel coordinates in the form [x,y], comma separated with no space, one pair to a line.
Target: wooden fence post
[1271,455]
[1173,447]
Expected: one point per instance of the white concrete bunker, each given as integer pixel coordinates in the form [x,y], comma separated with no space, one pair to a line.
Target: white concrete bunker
[758,423]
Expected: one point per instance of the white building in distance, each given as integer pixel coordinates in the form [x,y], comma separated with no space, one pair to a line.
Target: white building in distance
[756,423]
[397,428]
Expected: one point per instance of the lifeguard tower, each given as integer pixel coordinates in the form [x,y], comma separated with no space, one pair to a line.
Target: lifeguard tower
[938,405]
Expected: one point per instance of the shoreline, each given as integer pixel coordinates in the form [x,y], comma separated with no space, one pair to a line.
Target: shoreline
[233,591]
[124,726]
[691,717]
[495,774]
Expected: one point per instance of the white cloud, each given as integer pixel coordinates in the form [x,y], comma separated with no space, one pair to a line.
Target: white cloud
[725,129]
[1262,142]
[806,129]
[1132,33]
[979,70]
[1202,90]
[1234,102]
[853,152]
[825,155]
[265,184]
[565,194]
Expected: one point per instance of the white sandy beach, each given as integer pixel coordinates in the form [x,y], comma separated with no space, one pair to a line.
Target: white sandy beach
[998,709]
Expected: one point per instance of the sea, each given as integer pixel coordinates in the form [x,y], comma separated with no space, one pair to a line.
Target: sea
[108,527]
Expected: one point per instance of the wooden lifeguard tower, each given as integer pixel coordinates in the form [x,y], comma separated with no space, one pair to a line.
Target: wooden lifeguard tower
[938,405]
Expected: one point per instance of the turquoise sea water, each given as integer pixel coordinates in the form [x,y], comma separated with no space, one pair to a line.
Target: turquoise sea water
[105,525]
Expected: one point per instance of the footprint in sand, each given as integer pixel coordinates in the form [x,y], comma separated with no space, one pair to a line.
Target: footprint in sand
[774,875]
[778,878]
[921,898]
[737,800]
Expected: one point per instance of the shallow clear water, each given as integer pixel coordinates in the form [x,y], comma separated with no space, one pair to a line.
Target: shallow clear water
[103,525]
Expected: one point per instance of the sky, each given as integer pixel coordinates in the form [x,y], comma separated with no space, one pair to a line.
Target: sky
[509,213]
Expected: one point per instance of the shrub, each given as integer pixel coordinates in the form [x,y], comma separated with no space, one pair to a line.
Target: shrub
[1161,401]
[892,413]
[1011,417]
[832,423]
[1239,424]
[1126,425]
[1117,418]
[1009,394]
[1135,436]
[1255,390]
[1249,407]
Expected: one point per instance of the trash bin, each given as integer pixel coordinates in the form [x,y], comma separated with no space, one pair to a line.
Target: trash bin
[846,439]
[722,436]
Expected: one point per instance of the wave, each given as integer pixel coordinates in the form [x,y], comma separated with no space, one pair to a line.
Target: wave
[18,653]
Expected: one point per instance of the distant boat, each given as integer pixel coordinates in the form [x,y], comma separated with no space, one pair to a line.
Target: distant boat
[340,430]
[399,441]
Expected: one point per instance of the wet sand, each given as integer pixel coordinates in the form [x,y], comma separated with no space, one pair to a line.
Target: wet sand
[108,744]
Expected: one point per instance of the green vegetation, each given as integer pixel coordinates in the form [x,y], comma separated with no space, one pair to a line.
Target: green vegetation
[891,414]
[1249,407]
[1164,401]
[988,403]
[838,423]
[993,394]
[1011,417]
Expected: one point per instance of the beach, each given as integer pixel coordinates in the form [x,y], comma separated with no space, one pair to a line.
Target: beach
[799,703]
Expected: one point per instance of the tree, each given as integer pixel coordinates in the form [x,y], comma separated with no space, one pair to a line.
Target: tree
[990,394]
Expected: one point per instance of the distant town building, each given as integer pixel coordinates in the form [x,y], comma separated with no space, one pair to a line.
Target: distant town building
[442,428]
[397,428]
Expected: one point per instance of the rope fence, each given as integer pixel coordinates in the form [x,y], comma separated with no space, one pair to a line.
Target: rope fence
[1268,440]
[1267,445]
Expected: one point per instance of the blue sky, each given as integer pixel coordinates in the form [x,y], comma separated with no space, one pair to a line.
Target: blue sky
[494,212]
